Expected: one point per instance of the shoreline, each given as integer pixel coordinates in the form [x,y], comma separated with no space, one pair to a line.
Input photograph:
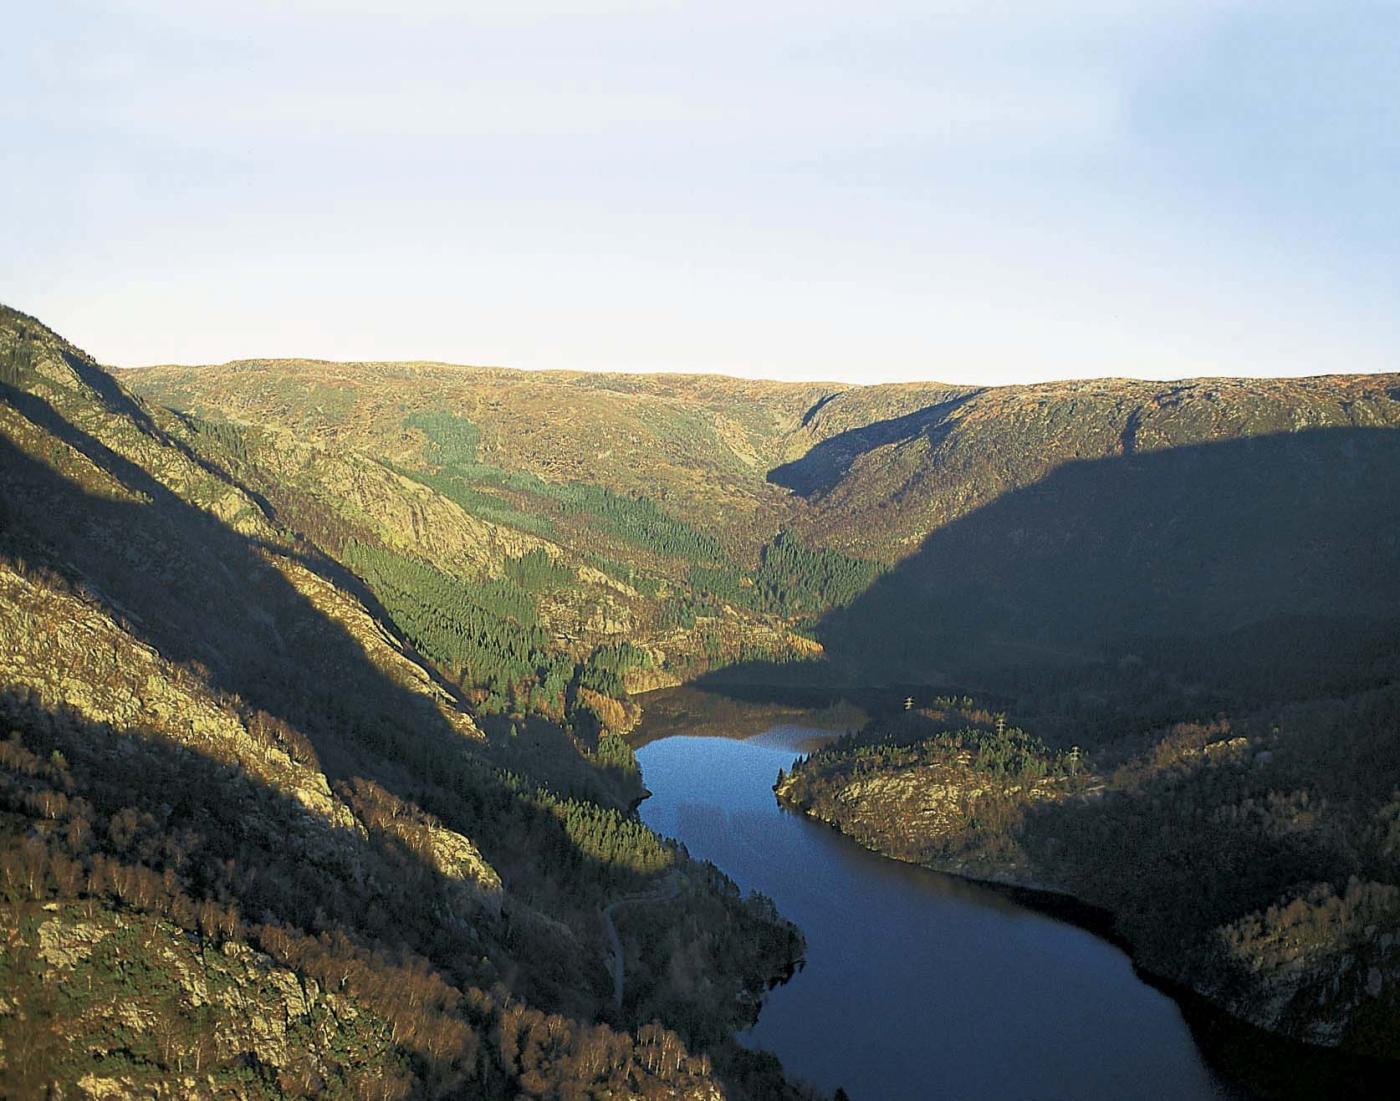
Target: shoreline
[1258,1063]
[1255,1062]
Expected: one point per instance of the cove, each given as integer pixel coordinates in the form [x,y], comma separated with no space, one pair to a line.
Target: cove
[916,985]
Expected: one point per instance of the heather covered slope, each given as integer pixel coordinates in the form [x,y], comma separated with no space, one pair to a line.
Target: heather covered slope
[705,449]
[872,471]
[394,469]
[882,484]
[252,841]
[701,446]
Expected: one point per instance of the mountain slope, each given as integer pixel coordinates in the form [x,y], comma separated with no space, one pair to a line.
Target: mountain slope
[707,442]
[883,485]
[421,464]
[1027,526]
[251,841]
[870,470]
[1100,556]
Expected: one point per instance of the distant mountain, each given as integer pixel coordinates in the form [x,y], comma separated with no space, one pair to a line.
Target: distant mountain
[1027,525]
[884,485]
[869,470]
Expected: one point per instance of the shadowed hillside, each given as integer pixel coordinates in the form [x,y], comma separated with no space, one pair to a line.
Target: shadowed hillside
[830,460]
[1103,555]
[881,487]
[1203,644]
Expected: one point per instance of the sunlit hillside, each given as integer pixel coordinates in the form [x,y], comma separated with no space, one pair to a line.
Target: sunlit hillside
[256,845]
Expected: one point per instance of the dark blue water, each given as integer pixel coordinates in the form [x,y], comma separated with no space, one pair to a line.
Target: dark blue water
[917,986]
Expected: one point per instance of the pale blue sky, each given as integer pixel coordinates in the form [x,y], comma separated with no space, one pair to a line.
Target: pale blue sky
[987,192]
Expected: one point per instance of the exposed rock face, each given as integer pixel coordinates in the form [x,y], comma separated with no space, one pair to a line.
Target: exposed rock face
[1318,967]
[908,813]
[924,814]
[114,977]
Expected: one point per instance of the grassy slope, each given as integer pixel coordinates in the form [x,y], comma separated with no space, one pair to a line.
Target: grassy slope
[348,441]
[872,470]
[703,445]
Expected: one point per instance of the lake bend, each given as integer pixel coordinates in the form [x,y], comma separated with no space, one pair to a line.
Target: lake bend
[916,985]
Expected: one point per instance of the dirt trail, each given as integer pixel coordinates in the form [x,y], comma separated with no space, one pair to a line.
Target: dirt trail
[667,891]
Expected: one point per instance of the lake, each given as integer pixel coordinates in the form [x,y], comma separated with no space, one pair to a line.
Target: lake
[916,985]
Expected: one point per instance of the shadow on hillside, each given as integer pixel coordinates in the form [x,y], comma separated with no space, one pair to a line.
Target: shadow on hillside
[135,821]
[145,825]
[1191,541]
[207,597]
[1147,585]
[113,397]
[823,467]
[819,686]
[160,827]
[198,591]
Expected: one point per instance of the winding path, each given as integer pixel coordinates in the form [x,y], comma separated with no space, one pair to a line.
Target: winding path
[668,890]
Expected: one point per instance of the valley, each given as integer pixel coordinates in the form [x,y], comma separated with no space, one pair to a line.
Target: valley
[325,687]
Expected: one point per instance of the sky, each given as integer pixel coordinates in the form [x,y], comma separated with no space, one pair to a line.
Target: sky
[877,191]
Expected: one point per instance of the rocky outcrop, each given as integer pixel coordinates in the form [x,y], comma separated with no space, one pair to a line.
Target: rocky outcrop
[128,991]
[929,814]
[1323,966]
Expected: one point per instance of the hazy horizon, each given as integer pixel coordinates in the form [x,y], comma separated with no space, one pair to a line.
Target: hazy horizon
[977,194]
